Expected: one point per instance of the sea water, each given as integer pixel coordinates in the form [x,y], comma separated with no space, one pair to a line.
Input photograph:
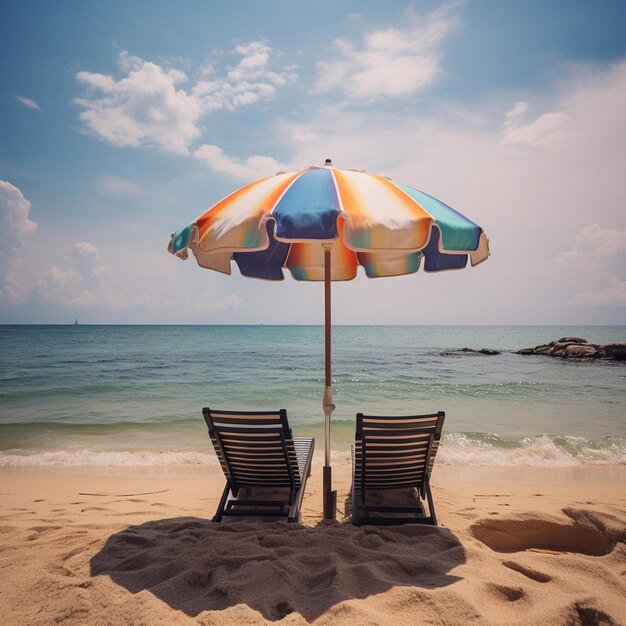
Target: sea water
[133,395]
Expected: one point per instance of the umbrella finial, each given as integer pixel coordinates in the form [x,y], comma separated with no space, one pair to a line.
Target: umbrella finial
[328,163]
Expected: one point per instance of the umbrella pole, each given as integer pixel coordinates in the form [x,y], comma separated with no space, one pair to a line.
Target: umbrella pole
[330,496]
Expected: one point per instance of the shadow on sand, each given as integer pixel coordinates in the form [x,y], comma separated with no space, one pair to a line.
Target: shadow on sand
[195,565]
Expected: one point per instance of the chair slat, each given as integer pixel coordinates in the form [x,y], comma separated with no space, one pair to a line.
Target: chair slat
[256,448]
[395,452]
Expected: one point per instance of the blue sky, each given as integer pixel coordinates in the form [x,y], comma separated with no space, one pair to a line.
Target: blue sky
[120,122]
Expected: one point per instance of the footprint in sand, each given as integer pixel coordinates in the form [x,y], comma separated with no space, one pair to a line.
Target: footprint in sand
[59,570]
[7,529]
[590,615]
[316,562]
[283,609]
[39,531]
[541,533]
[84,585]
[126,513]
[504,592]
[529,572]
[135,539]
[44,529]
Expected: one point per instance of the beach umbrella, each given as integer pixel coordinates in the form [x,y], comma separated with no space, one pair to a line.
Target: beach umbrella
[321,224]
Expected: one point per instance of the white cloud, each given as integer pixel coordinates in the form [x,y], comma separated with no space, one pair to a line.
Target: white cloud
[74,285]
[395,62]
[595,243]
[149,107]
[116,186]
[27,102]
[15,228]
[613,295]
[302,135]
[84,257]
[242,169]
[597,256]
[83,283]
[144,108]
[519,109]
[547,132]
[256,77]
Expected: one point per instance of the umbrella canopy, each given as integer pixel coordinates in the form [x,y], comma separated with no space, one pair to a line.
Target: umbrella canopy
[279,222]
[321,224]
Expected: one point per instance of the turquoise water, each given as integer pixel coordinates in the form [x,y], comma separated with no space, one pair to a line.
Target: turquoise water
[134,394]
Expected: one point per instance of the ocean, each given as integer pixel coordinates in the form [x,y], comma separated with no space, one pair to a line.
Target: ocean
[133,395]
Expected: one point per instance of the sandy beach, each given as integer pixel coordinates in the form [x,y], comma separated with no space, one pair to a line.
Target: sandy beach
[137,547]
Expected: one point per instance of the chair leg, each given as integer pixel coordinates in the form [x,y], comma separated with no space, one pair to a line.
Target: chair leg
[355,504]
[310,460]
[431,506]
[297,496]
[295,502]
[356,518]
[294,512]
[223,500]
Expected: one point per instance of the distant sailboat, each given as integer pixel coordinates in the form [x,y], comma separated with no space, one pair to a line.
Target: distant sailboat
[75,321]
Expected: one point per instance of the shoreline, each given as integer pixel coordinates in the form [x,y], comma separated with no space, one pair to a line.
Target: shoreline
[464,450]
[528,474]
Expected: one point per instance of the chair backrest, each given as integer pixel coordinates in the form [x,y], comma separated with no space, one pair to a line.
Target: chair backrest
[255,448]
[396,452]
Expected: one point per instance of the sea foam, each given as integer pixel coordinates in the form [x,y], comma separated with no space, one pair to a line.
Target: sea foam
[540,451]
[478,449]
[104,459]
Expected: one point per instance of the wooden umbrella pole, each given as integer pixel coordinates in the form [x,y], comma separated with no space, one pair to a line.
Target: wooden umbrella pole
[330,496]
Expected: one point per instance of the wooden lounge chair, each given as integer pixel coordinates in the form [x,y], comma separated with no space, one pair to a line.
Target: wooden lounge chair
[394,453]
[258,453]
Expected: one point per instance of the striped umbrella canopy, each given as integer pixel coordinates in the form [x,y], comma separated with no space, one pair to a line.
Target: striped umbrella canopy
[322,223]
[279,222]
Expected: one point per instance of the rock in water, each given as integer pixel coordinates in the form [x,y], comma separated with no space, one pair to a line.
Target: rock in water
[487,351]
[572,340]
[580,351]
[578,348]
[616,351]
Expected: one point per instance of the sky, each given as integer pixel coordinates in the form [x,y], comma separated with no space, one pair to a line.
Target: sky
[120,122]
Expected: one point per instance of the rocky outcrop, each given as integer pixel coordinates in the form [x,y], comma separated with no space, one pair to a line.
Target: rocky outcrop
[486,351]
[579,348]
[616,351]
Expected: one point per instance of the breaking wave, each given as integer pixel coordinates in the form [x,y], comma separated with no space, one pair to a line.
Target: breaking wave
[540,451]
[105,458]
[477,449]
